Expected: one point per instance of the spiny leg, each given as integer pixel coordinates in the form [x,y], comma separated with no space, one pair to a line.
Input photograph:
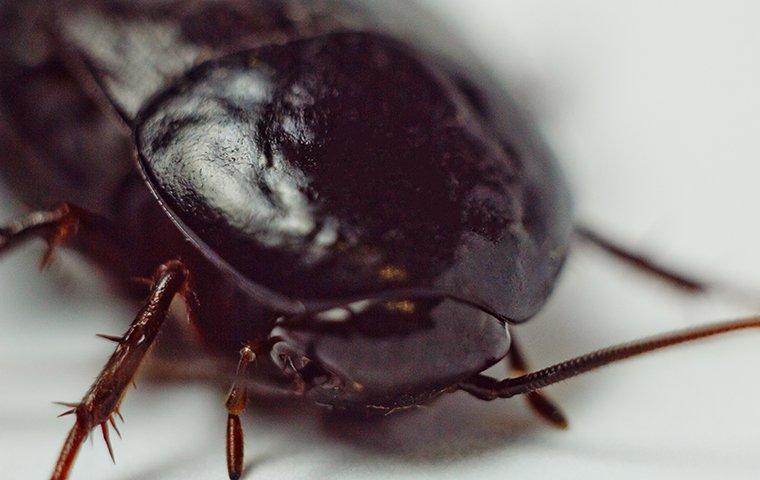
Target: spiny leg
[538,401]
[488,388]
[102,401]
[55,226]
[236,401]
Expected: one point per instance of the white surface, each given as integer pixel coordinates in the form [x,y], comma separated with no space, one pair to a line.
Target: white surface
[652,107]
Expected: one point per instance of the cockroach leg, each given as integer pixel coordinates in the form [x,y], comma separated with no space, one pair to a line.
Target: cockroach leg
[642,262]
[488,388]
[55,226]
[66,223]
[538,401]
[102,401]
[236,401]
[692,285]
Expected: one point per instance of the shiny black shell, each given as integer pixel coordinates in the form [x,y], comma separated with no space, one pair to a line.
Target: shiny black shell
[347,165]
[314,153]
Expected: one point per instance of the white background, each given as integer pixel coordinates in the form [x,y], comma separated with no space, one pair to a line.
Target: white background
[652,107]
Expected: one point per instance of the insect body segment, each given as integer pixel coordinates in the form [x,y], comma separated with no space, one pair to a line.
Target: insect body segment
[365,210]
[335,156]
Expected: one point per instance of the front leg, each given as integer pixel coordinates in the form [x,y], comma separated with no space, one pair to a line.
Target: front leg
[104,397]
[236,402]
[238,395]
[483,387]
[538,401]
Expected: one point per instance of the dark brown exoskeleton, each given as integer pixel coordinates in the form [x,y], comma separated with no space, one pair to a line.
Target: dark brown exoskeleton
[338,192]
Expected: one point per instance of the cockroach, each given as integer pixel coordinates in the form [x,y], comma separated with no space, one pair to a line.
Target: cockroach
[353,200]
